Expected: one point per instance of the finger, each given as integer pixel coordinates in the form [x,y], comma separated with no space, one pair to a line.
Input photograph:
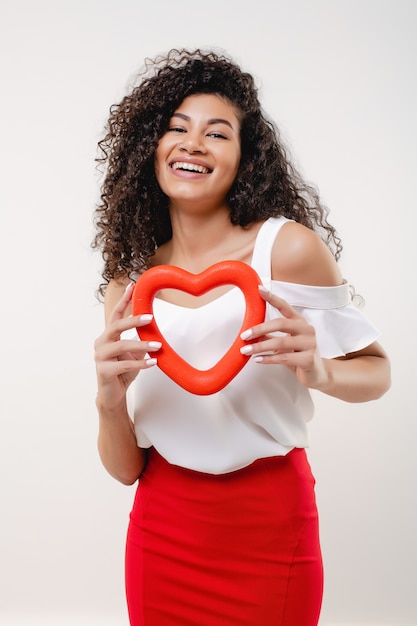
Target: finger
[111,370]
[119,325]
[277,325]
[121,306]
[120,349]
[302,360]
[281,345]
[279,303]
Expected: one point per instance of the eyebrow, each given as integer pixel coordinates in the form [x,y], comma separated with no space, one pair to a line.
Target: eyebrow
[214,120]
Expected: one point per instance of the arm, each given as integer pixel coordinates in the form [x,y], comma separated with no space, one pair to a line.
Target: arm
[118,362]
[299,256]
[359,376]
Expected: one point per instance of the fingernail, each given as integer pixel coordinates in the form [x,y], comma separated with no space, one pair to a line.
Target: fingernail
[154,345]
[128,286]
[263,289]
[146,318]
[258,359]
[150,362]
[246,349]
[246,334]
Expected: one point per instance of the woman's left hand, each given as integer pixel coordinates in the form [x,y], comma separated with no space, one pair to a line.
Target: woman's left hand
[296,347]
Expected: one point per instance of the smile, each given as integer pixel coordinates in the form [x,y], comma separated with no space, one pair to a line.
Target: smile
[190,167]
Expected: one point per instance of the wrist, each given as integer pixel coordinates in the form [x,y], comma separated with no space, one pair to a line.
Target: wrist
[112,411]
[326,380]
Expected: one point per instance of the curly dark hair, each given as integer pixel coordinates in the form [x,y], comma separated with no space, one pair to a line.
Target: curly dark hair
[132,219]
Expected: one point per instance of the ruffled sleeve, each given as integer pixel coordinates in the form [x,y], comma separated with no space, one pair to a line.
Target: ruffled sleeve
[340,326]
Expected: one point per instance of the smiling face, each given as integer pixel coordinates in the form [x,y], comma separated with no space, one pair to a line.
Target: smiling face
[198,156]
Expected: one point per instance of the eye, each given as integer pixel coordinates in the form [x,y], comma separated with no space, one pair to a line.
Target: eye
[176,129]
[217,135]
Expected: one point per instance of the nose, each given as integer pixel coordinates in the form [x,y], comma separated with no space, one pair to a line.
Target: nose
[191,143]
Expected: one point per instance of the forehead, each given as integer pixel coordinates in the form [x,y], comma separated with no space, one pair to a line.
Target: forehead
[209,106]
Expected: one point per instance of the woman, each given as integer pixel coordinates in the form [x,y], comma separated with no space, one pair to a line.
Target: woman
[224,527]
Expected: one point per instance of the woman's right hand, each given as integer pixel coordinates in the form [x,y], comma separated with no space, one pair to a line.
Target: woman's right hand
[118,361]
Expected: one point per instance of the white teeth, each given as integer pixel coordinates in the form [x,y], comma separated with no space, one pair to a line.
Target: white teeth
[191,167]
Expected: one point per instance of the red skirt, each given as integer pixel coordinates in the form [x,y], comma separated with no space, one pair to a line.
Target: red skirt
[237,549]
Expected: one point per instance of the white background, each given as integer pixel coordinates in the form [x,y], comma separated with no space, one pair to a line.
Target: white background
[340,79]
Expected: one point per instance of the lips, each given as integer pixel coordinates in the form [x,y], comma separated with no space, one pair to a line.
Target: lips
[186,166]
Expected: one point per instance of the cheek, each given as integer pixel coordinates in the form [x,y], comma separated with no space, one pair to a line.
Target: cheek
[235,168]
[157,158]
[163,150]
[236,158]
[158,167]
[160,179]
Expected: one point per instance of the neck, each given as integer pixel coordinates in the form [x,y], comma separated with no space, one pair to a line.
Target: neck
[198,240]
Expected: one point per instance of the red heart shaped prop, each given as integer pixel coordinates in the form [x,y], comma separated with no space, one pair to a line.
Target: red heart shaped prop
[200,382]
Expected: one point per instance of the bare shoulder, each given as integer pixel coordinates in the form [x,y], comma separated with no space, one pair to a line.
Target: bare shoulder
[114,292]
[299,255]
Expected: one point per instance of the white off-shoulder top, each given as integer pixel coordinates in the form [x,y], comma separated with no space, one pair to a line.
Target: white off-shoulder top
[264,410]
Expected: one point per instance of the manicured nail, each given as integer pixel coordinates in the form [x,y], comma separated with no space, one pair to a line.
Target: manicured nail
[263,289]
[154,345]
[146,318]
[150,362]
[128,286]
[246,334]
[246,349]
[258,359]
